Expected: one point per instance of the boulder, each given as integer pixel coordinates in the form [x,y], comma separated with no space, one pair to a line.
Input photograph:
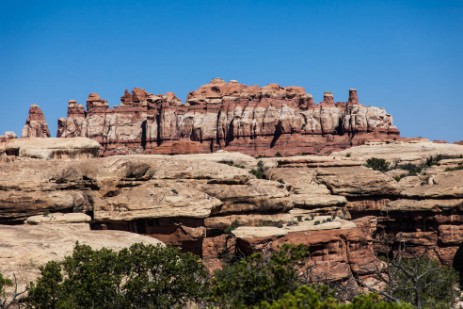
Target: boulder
[53,148]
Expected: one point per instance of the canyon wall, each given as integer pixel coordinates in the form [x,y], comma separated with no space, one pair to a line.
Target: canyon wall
[224,204]
[232,116]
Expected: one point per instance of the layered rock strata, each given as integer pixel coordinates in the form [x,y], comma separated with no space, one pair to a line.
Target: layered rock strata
[49,148]
[36,125]
[216,206]
[231,116]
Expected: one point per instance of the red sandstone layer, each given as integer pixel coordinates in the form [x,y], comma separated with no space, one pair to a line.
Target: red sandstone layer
[231,116]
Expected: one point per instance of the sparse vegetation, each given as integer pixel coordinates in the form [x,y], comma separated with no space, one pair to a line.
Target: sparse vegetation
[377,164]
[232,163]
[259,171]
[421,281]
[278,154]
[228,162]
[433,160]
[256,279]
[14,299]
[454,168]
[163,277]
[399,177]
[412,169]
[232,227]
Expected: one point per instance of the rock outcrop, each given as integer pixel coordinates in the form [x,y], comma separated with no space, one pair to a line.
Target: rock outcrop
[25,248]
[50,148]
[36,125]
[232,116]
[227,203]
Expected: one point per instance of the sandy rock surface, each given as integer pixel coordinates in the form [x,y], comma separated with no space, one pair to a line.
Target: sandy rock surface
[24,248]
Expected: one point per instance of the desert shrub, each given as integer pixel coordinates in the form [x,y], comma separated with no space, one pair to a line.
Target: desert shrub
[398,178]
[455,168]
[232,227]
[304,297]
[259,171]
[227,162]
[3,283]
[377,164]
[412,169]
[433,160]
[138,277]
[322,297]
[255,279]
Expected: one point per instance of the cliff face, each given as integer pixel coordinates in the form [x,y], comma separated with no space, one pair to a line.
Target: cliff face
[231,116]
[346,213]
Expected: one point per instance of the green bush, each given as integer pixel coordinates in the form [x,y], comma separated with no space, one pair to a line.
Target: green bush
[254,279]
[259,171]
[377,164]
[3,283]
[232,227]
[322,298]
[412,169]
[138,277]
[303,297]
[455,168]
[433,160]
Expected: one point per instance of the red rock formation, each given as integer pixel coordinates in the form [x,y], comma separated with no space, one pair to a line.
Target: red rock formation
[36,125]
[232,116]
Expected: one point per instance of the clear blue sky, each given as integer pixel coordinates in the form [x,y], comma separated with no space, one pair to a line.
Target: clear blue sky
[406,56]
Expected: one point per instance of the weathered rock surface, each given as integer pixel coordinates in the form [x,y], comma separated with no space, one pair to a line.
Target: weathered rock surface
[53,148]
[27,247]
[231,116]
[36,125]
[359,181]
[59,218]
[153,200]
[214,206]
[399,151]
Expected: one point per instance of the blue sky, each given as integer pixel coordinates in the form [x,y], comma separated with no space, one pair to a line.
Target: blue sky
[406,56]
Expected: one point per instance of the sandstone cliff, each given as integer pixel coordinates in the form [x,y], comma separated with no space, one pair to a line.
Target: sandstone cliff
[231,116]
[346,213]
